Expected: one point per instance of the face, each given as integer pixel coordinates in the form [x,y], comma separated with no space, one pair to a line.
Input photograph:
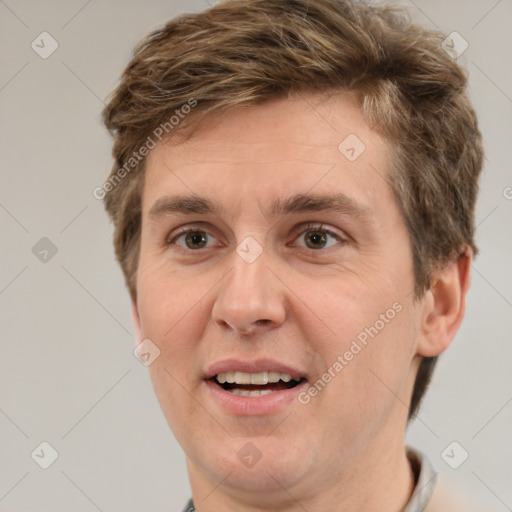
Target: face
[276,279]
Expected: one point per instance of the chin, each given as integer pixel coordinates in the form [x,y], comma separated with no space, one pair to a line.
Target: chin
[256,464]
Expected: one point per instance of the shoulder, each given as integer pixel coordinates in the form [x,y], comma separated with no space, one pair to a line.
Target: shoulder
[446,498]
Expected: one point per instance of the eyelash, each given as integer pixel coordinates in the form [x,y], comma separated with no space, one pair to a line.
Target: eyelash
[319,228]
[300,231]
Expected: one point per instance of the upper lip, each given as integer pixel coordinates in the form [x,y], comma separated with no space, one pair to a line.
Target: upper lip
[256,366]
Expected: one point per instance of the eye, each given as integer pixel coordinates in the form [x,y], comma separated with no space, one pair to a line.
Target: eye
[193,239]
[315,236]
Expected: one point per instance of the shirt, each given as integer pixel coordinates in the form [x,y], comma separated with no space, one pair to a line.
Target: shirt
[425,479]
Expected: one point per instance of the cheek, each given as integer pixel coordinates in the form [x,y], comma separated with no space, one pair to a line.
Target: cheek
[366,339]
[173,316]
[173,393]
[344,309]
[379,373]
[168,302]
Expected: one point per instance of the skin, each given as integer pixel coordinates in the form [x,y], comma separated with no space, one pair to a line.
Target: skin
[344,450]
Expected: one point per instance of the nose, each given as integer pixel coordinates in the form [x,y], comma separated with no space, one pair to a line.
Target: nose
[250,298]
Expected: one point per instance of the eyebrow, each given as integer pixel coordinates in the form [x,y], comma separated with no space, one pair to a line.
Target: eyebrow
[339,202]
[182,204]
[299,203]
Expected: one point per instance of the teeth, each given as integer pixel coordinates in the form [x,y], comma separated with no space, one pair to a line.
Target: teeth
[246,392]
[260,379]
[274,376]
[242,378]
[226,377]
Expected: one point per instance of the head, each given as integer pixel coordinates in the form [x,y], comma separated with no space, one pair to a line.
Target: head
[240,121]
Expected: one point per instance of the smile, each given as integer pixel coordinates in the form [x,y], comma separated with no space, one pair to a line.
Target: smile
[255,384]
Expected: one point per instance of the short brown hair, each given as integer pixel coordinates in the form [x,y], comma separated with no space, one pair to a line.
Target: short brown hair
[246,52]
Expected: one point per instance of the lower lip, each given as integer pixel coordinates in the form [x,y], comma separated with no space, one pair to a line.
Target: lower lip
[253,405]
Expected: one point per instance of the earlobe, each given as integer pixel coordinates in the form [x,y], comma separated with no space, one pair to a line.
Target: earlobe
[136,322]
[444,305]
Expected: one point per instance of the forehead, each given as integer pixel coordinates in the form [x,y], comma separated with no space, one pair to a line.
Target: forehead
[264,153]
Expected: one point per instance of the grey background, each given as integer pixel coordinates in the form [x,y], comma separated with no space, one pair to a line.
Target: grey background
[67,372]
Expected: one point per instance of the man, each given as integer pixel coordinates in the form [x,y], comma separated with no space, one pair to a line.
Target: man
[293,198]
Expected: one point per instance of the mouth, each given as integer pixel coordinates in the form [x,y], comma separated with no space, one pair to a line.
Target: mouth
[255,384]
[250,388]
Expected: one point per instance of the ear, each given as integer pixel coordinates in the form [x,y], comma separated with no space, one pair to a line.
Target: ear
[136,322]
[444,305]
